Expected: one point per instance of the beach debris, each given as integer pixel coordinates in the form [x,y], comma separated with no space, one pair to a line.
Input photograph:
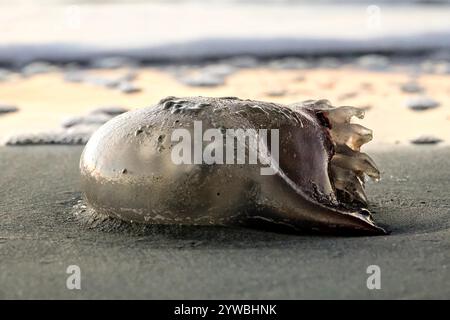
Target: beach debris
[315,142]
[67,137]
[128,87]
[421,103]
[373,62]
[7,108]
[203,80]
[96,118]
[426,139]
[109,110]
[102,81]
[220,69]
[212,75]
[411,87]
[74,130]
[122,83]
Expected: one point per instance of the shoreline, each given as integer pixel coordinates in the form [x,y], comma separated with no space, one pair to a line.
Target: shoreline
[80,31]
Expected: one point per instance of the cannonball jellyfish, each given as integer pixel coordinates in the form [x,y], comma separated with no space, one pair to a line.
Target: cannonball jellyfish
[230,161]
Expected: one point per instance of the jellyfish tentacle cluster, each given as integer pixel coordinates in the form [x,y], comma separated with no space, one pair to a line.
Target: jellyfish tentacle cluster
[349,165]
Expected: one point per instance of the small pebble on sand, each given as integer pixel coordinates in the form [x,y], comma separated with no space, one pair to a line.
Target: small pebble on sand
[6,108]
[103,82]
[63,137]
[426,139]
[220,69]
[128,87]
[212,75]
[203,80]
[91,119]
[109,110]
[421,103]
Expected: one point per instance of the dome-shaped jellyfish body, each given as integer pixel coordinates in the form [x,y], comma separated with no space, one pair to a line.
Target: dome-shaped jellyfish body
[222,161]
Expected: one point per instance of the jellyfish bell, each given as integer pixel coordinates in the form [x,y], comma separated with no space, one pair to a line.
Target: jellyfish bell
[315,179]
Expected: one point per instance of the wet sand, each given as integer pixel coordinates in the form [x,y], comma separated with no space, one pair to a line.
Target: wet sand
[49,99]
[39,238]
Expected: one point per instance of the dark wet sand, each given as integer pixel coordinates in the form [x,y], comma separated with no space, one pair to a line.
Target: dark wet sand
[39,238]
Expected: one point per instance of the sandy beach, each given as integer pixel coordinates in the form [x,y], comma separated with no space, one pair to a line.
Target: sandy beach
[39,238]
[68,67]
[50,100]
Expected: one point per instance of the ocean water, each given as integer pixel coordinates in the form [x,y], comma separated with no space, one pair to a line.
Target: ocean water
[65,30]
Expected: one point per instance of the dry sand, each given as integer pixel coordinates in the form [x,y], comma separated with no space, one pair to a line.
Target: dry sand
[46,99]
